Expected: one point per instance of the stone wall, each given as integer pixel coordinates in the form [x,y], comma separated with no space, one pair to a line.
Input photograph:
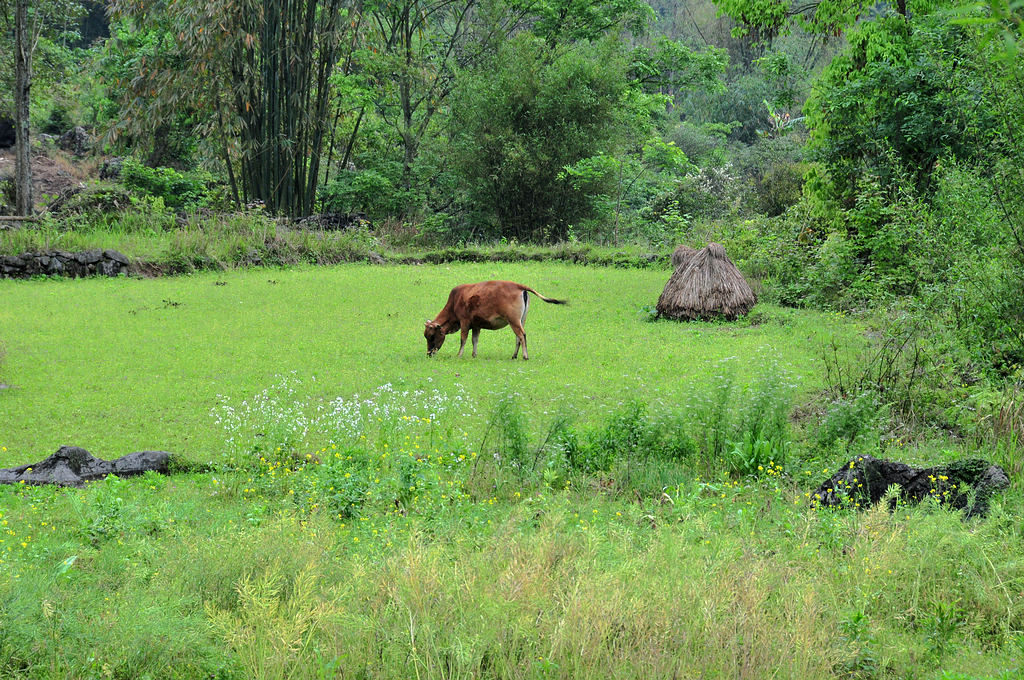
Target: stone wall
[62,263]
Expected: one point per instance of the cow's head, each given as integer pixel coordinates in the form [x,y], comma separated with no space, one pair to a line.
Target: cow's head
[434,334]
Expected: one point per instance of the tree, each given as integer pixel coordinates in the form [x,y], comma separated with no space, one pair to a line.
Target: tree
[767,19]
[418,41]
[23,48]
[27,28]
[517,124]
[553,130]
[258,73]
[902,97]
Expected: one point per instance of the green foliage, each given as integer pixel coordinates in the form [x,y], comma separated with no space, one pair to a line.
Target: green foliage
[626,432]
[58,122]
[178,190]
[258,86]
[904,96]
[508,423]
[855,422]
[986,312]
[564,21]
[345,486]
[861,654]
[534,113]
[366,191]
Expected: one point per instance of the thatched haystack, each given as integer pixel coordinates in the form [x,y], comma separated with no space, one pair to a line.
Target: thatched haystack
[681,256]
[708,287]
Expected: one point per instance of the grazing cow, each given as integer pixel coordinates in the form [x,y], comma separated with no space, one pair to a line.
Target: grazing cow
[491,305]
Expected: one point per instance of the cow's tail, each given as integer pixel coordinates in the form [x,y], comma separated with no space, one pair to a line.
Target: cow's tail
[545,299]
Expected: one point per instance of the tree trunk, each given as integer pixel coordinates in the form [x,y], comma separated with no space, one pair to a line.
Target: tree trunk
[23,81]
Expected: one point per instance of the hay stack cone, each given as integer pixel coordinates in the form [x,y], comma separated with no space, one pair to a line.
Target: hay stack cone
[709,286]
[681,256]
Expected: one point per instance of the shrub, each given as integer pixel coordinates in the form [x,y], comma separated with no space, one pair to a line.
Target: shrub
[508,423]
[342,485]
[58,121]
[989,312]
[702,144]
[518,124]
[177,189]
[625,431]
[855,422]
[366,191]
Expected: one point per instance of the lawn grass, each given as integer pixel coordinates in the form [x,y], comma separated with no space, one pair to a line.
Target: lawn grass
[418,534]
[120,365]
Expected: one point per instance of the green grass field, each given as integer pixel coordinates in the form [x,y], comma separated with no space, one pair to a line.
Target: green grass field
[124,365]
[362,511]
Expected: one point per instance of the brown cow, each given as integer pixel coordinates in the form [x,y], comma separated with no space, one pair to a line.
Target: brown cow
[491,305]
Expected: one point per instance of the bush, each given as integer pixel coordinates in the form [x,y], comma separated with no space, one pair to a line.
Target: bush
[702,144]
[709,194]
[366,191]
[855,422]
[988,312]
[508,423]
[178,190]
[59,121]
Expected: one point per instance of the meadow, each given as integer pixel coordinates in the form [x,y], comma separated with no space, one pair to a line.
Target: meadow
[634,501]
[126,364]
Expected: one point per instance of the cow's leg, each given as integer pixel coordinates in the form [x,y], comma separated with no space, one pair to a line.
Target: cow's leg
[517,328]
[476,337]
[462,339]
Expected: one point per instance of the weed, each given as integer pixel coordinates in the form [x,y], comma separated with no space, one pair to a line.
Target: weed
[273,626]
[861,655]
[713,413]
[853,421]
[508,423]
[751,456]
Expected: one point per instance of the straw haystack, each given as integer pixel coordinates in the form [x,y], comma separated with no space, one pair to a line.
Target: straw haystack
[681,256]
[708,287]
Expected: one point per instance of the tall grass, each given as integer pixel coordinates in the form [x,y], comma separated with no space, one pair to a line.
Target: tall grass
[722,579]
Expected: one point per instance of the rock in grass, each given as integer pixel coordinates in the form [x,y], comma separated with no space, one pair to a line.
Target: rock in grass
[74,466]
[963,484]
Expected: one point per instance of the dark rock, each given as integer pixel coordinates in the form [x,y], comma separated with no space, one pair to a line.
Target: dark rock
[116,257]
[111,168]
[60,262]
[7,135]
[73,466]
[963,485]
[75,141]
[89,256]
[54,266]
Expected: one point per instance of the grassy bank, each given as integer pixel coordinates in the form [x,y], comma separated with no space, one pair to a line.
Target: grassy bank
[176,245]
